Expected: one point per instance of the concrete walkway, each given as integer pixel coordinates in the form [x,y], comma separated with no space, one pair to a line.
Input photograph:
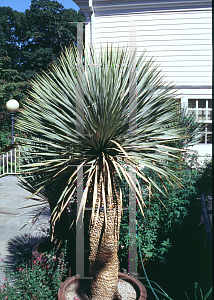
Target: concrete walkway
[13,216]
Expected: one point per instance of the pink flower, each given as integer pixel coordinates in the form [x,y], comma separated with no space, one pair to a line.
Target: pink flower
[34,262]
[5,278]
[6,297]
[20,269]
[1,259]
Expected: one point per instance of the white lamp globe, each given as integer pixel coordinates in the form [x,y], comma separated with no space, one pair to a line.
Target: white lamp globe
[12,105]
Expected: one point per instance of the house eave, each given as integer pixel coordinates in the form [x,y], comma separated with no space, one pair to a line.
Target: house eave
[117,6]
[84,6]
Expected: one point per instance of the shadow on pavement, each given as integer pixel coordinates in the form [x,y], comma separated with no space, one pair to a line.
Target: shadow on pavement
[20,249]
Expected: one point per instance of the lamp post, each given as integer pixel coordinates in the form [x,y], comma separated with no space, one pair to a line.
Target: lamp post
[12,106]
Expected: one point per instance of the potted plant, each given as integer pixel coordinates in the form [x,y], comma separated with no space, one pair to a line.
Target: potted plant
[129,288]
[93,121]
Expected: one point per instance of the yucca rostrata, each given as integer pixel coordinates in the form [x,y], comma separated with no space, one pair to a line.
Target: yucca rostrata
[79,115]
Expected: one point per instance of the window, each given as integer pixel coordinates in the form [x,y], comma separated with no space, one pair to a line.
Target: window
[203,111]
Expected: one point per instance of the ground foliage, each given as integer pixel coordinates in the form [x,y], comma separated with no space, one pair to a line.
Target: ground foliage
[37,279]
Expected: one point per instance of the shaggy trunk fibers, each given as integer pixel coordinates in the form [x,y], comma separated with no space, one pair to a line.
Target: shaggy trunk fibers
[103,260]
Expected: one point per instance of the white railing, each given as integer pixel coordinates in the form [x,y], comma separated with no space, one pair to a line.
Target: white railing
[9,162]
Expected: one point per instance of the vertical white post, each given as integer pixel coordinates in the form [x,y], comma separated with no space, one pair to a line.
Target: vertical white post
[196,109]
[88,40]
[206,112]
[11,161]
[15,160]
[80,130]
[132,129]
[19,161]
[7,162]
[92,20]
[3,165]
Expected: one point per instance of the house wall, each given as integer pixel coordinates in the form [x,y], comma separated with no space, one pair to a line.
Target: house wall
[179,40]
[176,33]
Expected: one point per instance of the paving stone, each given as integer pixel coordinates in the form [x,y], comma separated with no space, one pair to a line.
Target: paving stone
[4,218]
[13,216]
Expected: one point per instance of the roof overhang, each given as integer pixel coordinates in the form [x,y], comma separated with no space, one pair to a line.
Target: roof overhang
[123,6]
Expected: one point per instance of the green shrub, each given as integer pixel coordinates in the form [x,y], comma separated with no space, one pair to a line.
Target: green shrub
[41,280]
[164,214]
[4,138]
[204,182]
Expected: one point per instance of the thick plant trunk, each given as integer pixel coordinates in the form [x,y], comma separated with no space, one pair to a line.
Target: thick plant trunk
[103,260]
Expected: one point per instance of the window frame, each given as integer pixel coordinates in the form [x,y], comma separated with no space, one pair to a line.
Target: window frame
[205,121]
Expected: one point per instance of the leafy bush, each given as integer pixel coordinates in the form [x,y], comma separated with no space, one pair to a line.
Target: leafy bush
[4,138]
[41,280]
[204,182]
[164,214]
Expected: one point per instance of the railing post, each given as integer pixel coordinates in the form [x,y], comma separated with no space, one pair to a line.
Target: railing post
[11,161]
[19,161]
[15,160]
[3,166]
[7,158]
[7,163]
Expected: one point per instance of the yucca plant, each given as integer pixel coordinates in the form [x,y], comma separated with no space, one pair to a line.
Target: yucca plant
[80,116]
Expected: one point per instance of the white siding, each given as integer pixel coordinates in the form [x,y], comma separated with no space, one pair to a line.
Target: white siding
[179,40]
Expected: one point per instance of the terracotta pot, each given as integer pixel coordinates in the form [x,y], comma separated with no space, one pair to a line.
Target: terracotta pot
[138,286]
